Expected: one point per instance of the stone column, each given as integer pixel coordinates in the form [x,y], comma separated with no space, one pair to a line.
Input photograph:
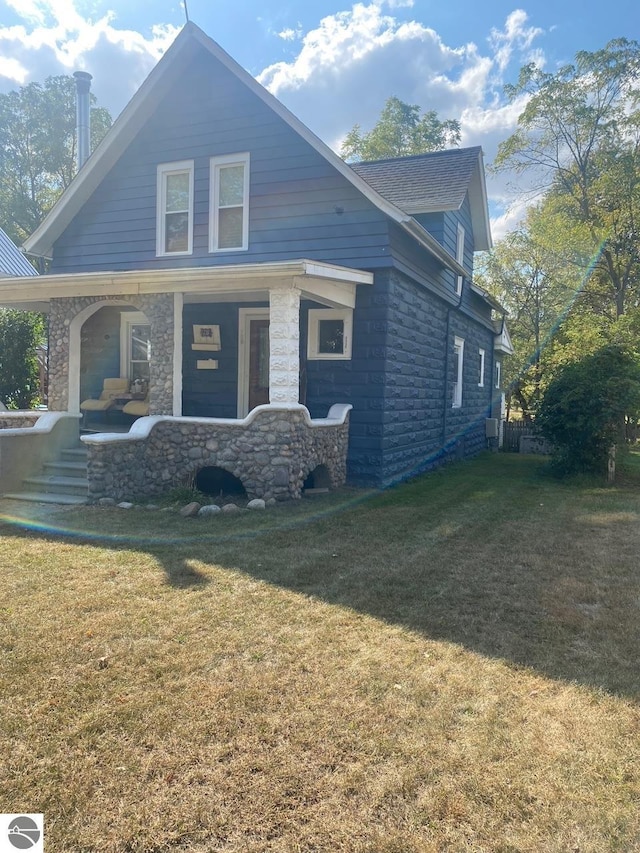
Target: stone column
[284,343]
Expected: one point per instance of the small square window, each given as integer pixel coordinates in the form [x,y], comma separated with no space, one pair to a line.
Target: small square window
[329,333]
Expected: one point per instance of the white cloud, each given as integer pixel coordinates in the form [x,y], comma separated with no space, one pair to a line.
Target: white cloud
[354,60]
[56,39]
[515,35]
[290,34]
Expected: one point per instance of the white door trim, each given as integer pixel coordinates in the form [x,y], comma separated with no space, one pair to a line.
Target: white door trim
[245,316]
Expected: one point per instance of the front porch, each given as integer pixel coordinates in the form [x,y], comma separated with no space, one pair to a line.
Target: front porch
[224,356]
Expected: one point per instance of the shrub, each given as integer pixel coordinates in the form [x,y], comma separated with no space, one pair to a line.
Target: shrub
[583,409]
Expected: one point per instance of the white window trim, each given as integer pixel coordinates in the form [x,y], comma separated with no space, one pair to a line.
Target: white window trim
[215,164]
[458,344]
[460,238]
[165,169]
[313,328]
[498,374]
[128,319]
[481,353]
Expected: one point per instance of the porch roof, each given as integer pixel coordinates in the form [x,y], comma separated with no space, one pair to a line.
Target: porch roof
[328,284]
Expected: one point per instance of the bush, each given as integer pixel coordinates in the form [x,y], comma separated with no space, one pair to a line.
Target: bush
[583,409]
[20,335]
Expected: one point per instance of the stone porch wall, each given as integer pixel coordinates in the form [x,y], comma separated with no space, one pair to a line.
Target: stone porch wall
[158,309]
[271,451]
[18,420]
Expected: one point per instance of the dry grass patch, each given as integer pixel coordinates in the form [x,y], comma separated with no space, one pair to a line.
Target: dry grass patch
[451,666]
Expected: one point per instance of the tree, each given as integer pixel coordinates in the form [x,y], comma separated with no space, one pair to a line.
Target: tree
[400,131]
[579,135]
[529,277]
[585,405]
[21,333]
[38,150]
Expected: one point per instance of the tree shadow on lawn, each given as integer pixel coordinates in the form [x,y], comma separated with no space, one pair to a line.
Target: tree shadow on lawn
[543,577]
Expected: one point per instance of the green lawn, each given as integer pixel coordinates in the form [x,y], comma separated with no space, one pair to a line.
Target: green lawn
[449,666]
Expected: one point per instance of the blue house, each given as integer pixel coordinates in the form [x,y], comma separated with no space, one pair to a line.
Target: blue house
[290,318]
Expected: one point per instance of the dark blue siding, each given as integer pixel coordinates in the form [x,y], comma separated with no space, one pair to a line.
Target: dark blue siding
[210,393]
[294,192]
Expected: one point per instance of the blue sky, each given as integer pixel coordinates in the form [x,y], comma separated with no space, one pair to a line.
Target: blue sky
[332,63]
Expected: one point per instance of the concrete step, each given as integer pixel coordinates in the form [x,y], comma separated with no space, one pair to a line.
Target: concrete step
[45,498]
[66,469]
[74,454]
[59,485]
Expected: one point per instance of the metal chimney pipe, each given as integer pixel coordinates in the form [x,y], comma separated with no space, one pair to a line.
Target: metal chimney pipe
[83,117]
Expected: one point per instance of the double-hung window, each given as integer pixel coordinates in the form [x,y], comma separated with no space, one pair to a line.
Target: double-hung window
[458,359]
[174,220]
[229,203]
[459,256]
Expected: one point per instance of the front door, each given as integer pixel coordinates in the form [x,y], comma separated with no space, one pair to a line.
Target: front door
[258,363]
[253,359]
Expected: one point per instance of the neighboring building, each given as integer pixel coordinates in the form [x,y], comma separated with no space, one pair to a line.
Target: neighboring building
[12,261]
[215,250]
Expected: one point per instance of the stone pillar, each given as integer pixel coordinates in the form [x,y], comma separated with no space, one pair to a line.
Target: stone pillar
[284,343]
[159,310]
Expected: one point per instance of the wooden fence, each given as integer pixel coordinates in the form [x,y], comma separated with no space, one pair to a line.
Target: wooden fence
[513,430]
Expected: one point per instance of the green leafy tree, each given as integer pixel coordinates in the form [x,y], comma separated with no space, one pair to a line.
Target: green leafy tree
[529,276]
[585,405]
[38,150]
[21,333]
[400,131]
[578,138]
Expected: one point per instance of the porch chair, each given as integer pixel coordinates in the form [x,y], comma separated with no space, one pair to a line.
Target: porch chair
[111,390]
[137,408]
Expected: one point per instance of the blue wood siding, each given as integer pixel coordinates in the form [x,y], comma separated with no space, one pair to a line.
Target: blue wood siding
[300,206]
[210,393]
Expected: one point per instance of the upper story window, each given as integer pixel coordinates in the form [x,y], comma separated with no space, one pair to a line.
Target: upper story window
[229,203]
[458,359]
[459,256]
[174,222]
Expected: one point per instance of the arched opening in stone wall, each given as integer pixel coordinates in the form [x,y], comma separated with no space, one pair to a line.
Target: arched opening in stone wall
[318,479]
[107,339]
[216,481]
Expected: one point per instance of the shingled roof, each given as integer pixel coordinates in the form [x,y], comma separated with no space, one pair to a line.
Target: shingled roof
[12,261]
[428,183]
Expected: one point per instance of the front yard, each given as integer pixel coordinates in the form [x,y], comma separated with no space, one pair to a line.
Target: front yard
[449,666]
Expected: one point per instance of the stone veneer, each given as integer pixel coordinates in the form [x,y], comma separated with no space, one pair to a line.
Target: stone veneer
[157,307]
[19,420]
[272,452]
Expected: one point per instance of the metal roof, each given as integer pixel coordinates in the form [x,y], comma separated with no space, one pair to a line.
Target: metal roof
[12,261]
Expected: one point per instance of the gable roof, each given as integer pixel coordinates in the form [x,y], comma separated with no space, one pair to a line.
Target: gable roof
[141,107]
[12,261]
[434,182]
